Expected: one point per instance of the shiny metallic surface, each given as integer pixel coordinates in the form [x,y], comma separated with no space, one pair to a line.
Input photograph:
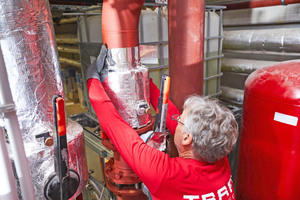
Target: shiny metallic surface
[41,161]
[31,59]
[276,40]
[127,85]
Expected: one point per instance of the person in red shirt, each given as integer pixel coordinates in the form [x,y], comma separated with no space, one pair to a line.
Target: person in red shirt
[205,133]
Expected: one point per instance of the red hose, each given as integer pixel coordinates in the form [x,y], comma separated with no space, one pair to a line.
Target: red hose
[120,21]
[259,3]
[186,34]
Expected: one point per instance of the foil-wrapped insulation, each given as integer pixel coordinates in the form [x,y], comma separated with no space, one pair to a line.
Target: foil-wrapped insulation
[127,85]
[275,40]
[31,59]
[41,162]
[244,65]
[232,95]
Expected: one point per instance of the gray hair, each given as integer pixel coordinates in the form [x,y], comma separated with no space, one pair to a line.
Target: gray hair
[213,128]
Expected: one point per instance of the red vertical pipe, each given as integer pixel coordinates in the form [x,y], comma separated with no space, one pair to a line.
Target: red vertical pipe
[120,22]
[186,35]
[259,3]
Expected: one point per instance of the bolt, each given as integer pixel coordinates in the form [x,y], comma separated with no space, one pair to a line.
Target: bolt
[49,141]
[148,111]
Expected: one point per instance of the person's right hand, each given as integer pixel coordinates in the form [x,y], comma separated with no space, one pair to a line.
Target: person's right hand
[99,68]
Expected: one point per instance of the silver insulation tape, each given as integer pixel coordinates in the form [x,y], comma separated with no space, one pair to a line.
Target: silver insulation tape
[274,40]
[31,59]
[127,85]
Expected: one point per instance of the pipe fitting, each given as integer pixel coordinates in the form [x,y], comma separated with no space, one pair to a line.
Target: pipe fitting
[142,107]
[120,21]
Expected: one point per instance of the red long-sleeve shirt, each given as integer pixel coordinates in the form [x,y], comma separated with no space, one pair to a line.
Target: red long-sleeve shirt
[166,178]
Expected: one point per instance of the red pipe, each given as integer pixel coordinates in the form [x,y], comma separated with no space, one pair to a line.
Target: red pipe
[120,22]
[186,35]
[259,3]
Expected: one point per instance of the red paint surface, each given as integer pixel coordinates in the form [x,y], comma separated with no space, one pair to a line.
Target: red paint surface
[269,159]
[186,34]
[120,22]
[61,116]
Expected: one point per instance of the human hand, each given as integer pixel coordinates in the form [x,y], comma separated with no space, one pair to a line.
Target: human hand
[99,68]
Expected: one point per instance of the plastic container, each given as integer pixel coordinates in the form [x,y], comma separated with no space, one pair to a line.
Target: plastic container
[211,49]
[269,155]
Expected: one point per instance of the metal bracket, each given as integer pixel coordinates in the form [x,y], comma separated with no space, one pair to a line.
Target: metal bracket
[7,108]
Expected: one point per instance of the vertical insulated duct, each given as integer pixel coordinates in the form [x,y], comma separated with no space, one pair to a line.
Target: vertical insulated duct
[31,59]
[186,36]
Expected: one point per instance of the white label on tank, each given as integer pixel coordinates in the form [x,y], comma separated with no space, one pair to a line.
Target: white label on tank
[287,119]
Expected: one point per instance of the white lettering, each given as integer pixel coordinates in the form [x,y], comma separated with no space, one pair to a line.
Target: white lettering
[222,192]
[209,196]
[191,197]
[230,183]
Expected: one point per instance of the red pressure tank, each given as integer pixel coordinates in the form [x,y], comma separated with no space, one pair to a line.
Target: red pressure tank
[269,157]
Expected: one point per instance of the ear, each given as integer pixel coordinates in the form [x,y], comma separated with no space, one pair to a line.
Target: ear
[187,139]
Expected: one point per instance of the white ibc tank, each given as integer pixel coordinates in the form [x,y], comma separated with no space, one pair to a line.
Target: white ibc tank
[212,29]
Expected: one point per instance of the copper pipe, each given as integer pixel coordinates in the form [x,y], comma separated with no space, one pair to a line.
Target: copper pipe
[120,21]
[186,35]
[259,3]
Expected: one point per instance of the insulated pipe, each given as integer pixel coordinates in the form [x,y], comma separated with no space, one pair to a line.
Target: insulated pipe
[120,22]
[275,40]
[186,35]
[68,61]
[259,3]
[67,49]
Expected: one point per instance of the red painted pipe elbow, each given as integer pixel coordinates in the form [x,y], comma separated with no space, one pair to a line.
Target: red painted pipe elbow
[120,22]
